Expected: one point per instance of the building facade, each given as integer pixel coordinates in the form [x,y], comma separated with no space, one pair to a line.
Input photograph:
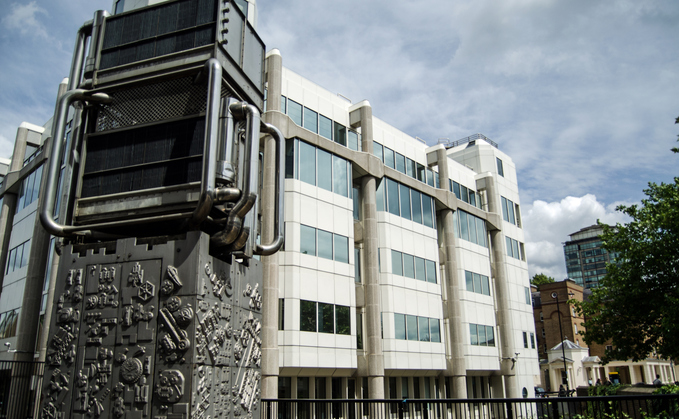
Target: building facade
[586,259]
[403,273]
[559,327]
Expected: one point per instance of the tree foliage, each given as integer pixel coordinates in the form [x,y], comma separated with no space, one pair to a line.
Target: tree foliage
[636,306]
[539,279]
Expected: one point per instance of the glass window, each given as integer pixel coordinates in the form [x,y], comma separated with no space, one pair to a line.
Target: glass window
[302,387]
[473,334]
[430,177]
[472,198]
[490,336]
[456,190]
[410,168]
[500,168]
[427,214]
[339,175]
[396,263]
[343,318]
[307,240]
[485,285]
[477,282]
[411,323]
[434,330]
[281,314]
[324,244]
[408,266]
[340,132]
[325,127]
[400,163]
[417,205]
[515,249]
[357,265]
[326,318]
[405,201]
[525,340]
[307,316]
[423,327]
[341,248]
[420,173]
[310,120]
[284,108]
[379,198]
[400,326]
[392,197]
[472,228]
[469,279]
[377,150]
[307,163]
[295,112]
[431,271]
[359,330]
[389,157]
[420,271]
[324,170]
[464,231]
[290,158]
[465,193]
[481,232]
[353,140]
[482,335]
[356,201]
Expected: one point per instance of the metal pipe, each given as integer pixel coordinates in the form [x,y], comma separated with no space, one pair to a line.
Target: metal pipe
[279,216]
[206,200]
[79,55]
[226,194]
[49,194]
[97,24]
[227,145]
[234,223]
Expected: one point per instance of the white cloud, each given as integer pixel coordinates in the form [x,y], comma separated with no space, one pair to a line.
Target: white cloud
[23,18]
[548,224]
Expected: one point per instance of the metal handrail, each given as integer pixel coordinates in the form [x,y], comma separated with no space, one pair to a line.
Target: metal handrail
[452,144]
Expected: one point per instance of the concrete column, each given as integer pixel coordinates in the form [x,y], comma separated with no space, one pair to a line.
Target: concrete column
[456,367]
[502,294]
[270,294]
[274,80]
[373,335]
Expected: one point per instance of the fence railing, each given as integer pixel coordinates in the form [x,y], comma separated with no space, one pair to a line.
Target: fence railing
[20,384]
[609,407]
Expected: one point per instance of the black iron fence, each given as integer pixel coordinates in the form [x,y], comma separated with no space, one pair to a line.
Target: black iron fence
[610,407]
[20,384]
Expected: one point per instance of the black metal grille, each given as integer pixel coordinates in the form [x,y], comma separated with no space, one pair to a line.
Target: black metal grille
[152,32]
[19,386]
[147,157]
[152,102]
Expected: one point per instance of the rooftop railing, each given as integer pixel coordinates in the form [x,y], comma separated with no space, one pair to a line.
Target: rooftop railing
[452,144]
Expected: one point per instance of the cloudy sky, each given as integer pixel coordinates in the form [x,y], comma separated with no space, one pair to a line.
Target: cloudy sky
[582,94]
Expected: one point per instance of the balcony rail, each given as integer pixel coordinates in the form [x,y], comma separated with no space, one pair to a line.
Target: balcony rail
[451,144]
[608,407]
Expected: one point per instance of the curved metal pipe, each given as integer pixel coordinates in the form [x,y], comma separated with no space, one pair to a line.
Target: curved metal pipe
[49,194]
[226,194]
[206,200]
[279,216]
[234,223]
[79,55]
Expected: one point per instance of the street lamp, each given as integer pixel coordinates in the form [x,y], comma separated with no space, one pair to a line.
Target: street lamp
[555,296]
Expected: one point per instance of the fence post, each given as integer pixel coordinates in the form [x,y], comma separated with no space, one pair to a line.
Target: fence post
[401,406]
[510,411]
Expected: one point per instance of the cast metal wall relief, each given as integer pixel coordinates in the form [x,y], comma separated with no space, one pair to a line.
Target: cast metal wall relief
[148,340]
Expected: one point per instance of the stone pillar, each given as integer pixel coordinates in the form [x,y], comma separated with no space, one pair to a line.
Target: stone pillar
[373,332]
[270,294]
[456,366]
[502,294]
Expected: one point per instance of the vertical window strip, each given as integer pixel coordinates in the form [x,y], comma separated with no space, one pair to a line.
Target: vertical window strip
[471,228]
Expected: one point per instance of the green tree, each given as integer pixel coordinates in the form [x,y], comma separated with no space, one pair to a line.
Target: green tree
[636,306]
[539,279]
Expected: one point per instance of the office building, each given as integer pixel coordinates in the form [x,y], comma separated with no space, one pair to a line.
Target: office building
[585,258]
[403,273]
